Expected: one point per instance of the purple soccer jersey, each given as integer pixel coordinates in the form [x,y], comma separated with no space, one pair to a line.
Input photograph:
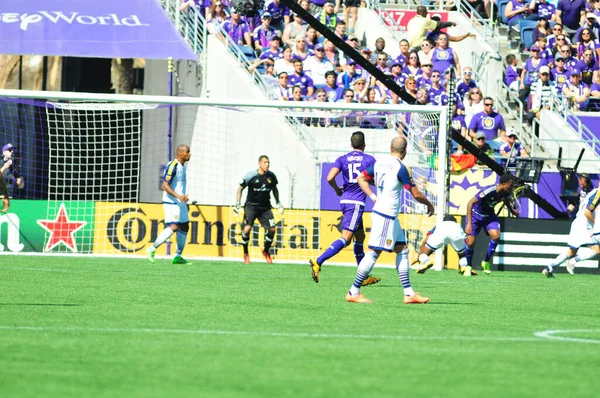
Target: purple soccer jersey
[435,95]
[489,124]
[350,166]
[442,59]
[483,216]
[302,80]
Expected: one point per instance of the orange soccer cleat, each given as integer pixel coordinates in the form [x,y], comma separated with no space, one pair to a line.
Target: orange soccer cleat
[359,298]
[415,299]
[371,280]
[246,259]
[267,257]
[315,268]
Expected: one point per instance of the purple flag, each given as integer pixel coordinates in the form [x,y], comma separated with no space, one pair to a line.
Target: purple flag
[87,28]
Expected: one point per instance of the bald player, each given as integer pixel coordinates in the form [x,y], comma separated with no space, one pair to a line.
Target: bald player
[174,201]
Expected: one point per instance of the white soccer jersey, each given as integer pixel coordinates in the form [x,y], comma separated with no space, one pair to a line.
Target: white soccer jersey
[448,232]
[390,176]
[174,175]
[581,227]
[593,204]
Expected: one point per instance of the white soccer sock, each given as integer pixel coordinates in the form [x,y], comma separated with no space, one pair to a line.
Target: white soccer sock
[362,273]
[402,268]
[588,255]
[561,258]
[181,238]
[463,262]
[424,259]
[164,235]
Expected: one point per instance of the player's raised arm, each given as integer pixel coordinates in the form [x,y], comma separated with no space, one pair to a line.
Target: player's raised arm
[331,180]
[470,205]
[421,198]
[592,204]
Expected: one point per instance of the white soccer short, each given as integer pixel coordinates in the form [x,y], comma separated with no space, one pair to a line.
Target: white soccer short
[385,232]
[579,235]
[596,239]
[176,213]
[448,233]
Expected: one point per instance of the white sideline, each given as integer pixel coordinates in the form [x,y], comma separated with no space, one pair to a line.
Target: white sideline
[550,334]
[545,336]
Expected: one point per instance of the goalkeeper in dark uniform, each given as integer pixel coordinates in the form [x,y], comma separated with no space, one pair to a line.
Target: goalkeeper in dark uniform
[260,183]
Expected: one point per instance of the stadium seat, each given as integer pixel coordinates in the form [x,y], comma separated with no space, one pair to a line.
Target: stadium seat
[527,37]
[501,6]
[248,52]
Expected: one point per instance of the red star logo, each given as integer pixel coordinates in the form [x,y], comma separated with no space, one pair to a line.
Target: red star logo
[61,230]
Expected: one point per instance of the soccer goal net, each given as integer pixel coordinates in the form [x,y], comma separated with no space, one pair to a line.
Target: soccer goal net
[91,167]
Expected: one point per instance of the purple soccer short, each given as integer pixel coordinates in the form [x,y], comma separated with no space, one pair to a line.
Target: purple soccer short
[352,216]
[488,223]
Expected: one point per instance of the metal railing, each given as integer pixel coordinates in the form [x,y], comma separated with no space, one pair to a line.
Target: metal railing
[483,25]
[516,114]
[563,107]
[193,27]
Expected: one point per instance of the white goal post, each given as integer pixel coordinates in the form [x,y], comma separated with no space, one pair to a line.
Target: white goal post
[226,137]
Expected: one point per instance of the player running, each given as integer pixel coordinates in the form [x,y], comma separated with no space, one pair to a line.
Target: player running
[391,176]
[581,230]
[480,214]
[449,232]
[260,183]
[352,204]
[174,201]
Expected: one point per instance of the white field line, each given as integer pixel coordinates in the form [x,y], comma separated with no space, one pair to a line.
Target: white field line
[538,336]
[552,335]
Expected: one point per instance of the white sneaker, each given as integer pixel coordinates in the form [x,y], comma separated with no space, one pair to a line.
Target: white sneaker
[571,266]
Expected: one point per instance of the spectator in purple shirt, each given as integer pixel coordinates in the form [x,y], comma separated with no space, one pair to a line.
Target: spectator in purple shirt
[529,74]
[274,50]
[542,29]
[512,78]
[559,75]
[333,92]
[488,121]
[518,151]
[280,14]
[264,33]
[436,90]
[571,14]
[588,67]
[237,29]
[577,91]
[587,40]
[467,82]
[347,78]
[546,10]
[516,10]
[301,79]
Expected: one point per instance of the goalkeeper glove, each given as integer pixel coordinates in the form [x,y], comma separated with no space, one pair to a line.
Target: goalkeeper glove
[237,208]
[280,208]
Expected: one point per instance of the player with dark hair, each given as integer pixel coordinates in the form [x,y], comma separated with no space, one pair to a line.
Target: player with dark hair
[352,204]
[449,232]
[174,201]
[260,183]
[480,214]
[581,230]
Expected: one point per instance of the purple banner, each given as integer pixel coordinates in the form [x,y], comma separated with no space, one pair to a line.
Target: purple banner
[463,187]
[88,28]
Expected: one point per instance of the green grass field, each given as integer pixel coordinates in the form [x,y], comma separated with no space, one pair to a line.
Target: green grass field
[97,327]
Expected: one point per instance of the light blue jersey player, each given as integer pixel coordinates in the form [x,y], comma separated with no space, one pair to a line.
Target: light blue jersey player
[174,201]
[390,177]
